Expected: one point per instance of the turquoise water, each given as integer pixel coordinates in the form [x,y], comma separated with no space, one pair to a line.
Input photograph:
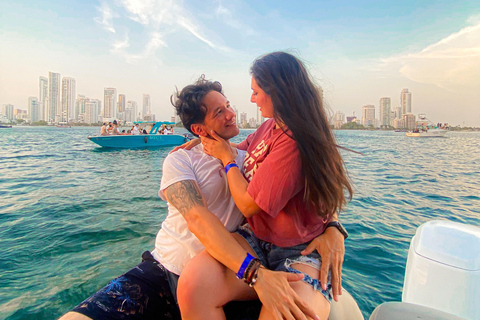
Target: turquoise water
[73,216]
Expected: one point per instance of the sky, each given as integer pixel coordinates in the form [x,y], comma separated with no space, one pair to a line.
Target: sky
[357,51]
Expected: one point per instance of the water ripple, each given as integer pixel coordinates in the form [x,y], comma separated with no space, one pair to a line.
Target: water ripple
[73,216]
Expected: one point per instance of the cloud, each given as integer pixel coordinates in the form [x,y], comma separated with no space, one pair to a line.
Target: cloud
[106,19]
[121,47]
[228,18]
[156,17]
[453,63]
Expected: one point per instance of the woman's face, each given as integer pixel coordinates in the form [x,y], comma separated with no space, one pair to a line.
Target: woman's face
[263,100]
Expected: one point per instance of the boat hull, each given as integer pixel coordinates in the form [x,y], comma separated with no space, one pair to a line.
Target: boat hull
[138,141]
[434,133]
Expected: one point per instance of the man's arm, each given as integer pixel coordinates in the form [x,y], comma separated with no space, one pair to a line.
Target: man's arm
[187,197]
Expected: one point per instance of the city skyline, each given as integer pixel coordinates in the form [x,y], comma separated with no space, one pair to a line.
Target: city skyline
[357,52]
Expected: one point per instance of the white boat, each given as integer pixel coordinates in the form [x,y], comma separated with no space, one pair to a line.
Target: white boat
[428,133]
[425,128]
[442,278]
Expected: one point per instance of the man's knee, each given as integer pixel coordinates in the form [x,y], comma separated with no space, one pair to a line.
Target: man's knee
[72,315]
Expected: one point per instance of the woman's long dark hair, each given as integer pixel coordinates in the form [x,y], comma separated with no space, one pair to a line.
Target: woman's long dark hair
[297,104]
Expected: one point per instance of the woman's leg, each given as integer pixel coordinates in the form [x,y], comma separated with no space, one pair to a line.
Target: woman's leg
[311,296]
[206,285]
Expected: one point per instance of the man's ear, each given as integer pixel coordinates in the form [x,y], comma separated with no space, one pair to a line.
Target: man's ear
[199,129]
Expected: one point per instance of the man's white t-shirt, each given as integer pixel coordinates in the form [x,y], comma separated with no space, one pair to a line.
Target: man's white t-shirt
[175,245]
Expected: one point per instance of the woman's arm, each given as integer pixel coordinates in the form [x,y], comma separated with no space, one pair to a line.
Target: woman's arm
[221,149]
[331,247]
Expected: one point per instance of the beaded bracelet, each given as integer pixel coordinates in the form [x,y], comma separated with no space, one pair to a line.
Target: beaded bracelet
[251,278]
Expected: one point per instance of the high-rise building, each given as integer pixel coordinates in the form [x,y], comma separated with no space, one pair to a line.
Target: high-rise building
[406,101]
[368,115]
[260,119]
[68,99]
[7,111]
[43,98]
[131,111]
[80,106]
[92,110]
[339,120]
[409,121]
[243,119]
[109,102]
[236,115]
[33,109]
[121,103]
[398,112]
[53,97]
[385,110]
[146,111]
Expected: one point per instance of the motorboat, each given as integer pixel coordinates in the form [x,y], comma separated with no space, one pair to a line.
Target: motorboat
[442,275]
[151,139]
[442,278]
[428,133]
[425,128]
[5,126]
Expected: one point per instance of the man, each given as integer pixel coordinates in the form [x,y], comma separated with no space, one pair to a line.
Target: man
[201,214]
[103,130]
[135,130]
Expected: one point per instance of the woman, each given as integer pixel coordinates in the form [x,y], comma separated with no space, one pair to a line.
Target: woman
[293,184]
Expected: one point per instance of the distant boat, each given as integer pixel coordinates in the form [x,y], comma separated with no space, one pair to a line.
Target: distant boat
[5,126]
[427,129]
[152,139]
[429,133]
[63,126]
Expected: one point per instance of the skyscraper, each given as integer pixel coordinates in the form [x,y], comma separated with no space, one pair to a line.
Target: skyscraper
[385,111]
[53,97]
[92,110]
[7,111]
[406,101]
[146,105]
[43,98]
[260,119]
[33,109]
[109,102]
[121,103]
[368,115]
[68,99]
[80,107]
[131,111]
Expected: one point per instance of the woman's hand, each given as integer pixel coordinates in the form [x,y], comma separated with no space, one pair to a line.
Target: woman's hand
[331,247]
[218,147]
[187,145]
[278,297]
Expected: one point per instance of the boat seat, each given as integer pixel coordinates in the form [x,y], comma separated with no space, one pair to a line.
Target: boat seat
[345,308]
[406,311]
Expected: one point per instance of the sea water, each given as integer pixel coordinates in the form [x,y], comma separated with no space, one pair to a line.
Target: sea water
[73,215]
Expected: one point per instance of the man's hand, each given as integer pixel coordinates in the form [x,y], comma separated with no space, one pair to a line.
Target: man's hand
[278,297]
[187,145]
[331,247]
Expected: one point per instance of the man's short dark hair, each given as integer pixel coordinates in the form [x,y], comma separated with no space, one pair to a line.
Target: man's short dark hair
[189,102]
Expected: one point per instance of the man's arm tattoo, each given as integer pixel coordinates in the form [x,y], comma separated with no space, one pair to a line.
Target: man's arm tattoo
[185,195]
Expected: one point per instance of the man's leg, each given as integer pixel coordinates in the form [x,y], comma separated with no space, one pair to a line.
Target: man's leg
[206,285]
[141,293]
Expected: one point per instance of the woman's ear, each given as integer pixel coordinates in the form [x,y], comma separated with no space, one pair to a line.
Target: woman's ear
[199,129]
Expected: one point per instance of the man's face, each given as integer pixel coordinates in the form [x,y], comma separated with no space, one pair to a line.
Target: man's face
[220,116]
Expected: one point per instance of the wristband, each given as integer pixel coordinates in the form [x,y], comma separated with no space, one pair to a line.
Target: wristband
[243,267]
[229,166]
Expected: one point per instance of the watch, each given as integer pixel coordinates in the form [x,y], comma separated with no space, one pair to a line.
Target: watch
[339,226]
